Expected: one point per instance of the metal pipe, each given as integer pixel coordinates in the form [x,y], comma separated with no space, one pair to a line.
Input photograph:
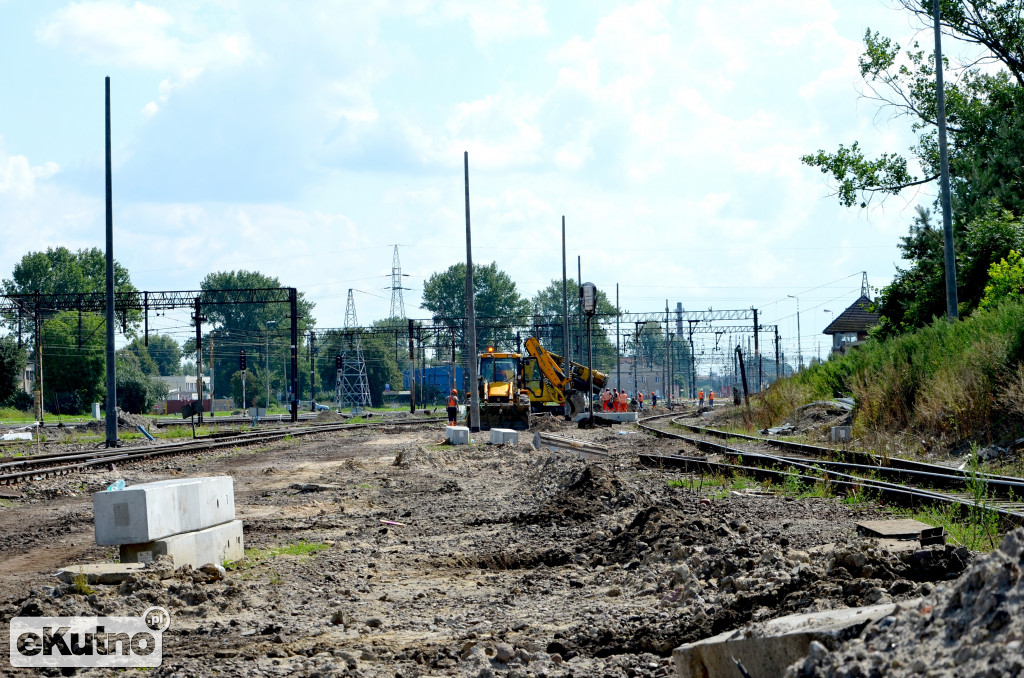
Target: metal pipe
[474,370]
[952,311]
[111,423]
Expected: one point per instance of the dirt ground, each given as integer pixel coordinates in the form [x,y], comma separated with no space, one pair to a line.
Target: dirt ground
[504,561]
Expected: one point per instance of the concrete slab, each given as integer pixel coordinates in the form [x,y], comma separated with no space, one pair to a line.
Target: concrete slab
[613,417]
[767,649]
[457,435]
[108,573]
[212,545]
[143,513]
[903,528]
[504,435]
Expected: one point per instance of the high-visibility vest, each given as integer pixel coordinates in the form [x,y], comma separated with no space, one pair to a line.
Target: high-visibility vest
[453,401]
[641,396]
[712,395]
[701,394]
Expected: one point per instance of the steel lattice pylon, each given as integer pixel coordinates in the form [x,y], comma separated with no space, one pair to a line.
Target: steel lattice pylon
[397,302]
[354,388]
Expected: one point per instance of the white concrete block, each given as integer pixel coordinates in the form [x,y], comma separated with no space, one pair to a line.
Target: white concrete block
[504,435]
[842,434]
[213,545]
[768,648]
[457,435]
[143,513]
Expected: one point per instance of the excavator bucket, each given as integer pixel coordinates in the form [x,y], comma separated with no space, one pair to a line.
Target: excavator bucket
[576,404]
[505,415]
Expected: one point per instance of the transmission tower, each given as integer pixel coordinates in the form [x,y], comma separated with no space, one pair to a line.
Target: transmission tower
[397,303]
[354,386]
[865,290]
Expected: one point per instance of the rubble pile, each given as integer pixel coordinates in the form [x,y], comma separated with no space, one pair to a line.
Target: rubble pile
[973,627]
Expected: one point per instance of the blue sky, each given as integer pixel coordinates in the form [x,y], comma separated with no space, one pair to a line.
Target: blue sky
[305,140]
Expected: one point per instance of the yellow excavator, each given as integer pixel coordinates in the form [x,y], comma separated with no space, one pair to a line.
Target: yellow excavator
[503,403]
[550,386]
[513,385]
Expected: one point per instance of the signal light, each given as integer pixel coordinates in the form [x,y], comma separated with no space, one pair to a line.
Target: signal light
[241,360]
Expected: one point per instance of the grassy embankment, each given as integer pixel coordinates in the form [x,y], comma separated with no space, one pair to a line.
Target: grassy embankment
[944,384]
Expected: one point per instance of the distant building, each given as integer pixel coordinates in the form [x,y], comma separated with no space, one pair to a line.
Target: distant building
[850,328]
[183,386]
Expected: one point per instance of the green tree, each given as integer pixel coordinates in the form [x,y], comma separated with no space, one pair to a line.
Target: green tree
[244,326]
[1006,280]
[74,369]
[61,271]
[142,360]
[984,108]
[12,366]
[497,302]
[137,390]
[917,294]
[547,303]
[985,114]
[379,353]
[166,353]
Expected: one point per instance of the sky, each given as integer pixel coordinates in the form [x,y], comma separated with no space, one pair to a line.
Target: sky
[305,140]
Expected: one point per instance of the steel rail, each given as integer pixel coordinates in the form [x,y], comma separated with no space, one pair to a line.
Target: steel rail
[37,466]
[807,471]
[893,467]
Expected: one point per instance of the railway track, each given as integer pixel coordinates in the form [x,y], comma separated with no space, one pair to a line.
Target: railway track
[58,463]
[893,480]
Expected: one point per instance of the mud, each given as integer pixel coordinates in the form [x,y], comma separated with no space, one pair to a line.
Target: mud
[492,560]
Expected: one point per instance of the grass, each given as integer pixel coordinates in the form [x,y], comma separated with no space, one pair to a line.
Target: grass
[254,556]
[719,485]
[954,381]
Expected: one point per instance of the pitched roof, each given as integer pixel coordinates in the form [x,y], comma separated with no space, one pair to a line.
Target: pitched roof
[856,318]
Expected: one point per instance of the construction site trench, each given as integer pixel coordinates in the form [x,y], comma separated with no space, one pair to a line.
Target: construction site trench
[386,552]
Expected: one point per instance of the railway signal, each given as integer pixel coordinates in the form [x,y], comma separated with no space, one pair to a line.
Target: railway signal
[241,360]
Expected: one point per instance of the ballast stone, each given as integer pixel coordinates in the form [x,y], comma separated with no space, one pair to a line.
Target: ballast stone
[151,511]
[504,435]
[215,544]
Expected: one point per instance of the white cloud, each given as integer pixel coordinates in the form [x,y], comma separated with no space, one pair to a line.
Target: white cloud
[499,20]
[141,36]
[136,36]
[18,177]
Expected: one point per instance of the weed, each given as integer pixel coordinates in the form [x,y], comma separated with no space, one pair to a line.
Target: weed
[80,584]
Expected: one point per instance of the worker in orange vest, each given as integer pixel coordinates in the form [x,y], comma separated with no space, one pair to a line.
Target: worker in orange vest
[711,399]
[700,398]
[623,407]
[453,407]
[640,400]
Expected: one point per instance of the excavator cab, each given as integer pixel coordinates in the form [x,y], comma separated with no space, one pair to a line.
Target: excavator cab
[502,404]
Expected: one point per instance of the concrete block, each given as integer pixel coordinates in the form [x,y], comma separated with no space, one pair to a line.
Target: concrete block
[842,434]
[212,545]
[902,528]
[767,649]
[108,573]
[457,435]
[143,513]
[504,435]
